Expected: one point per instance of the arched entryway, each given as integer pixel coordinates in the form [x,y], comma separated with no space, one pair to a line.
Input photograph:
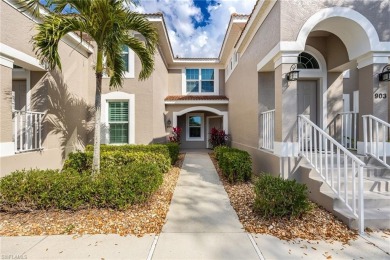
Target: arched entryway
[196,123]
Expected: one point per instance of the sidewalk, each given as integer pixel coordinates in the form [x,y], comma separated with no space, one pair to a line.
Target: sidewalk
[201,224]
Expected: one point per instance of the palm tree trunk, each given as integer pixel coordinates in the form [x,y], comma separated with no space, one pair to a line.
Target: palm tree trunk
[96,143]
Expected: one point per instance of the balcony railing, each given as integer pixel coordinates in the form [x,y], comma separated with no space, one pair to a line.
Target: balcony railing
[268,120]
[376,138]
[337,166]
[27,130]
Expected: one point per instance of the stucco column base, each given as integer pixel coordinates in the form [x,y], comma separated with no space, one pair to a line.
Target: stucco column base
[285,110]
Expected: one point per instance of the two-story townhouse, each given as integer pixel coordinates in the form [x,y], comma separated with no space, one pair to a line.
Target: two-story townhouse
[292,83]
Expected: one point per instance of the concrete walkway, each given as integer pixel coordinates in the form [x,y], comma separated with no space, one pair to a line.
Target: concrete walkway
[201,224]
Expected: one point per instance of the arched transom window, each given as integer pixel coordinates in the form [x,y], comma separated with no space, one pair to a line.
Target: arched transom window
[307,61]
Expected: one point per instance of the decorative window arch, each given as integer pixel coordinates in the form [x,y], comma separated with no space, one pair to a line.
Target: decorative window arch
[307,61]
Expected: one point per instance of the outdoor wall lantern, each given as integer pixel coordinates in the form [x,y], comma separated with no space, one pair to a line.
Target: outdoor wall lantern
[293,75]
[385,74]
[169,123]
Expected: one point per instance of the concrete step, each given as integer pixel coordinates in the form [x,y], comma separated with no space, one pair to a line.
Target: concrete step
[377,202]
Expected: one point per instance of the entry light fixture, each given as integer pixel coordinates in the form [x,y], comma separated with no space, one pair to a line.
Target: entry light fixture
[293,75]
[169,123]
[385,74]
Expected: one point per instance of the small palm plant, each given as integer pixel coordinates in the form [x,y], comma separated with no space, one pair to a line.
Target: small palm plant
[110,24]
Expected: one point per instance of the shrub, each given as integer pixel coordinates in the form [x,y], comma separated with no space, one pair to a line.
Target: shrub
[153,148]
[133,183]
[219,150]
[218,137]
[112,188]
[174,150]
[276,197]
[43,189]
[236,165]
[83,161]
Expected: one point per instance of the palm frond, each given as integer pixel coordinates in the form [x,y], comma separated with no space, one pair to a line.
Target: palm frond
[50,32]
[137,22]
[144,54]
[32,6]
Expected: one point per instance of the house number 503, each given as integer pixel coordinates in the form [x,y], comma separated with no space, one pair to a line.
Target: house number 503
[380,95]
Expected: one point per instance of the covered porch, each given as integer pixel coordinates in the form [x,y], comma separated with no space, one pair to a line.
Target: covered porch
[196,116]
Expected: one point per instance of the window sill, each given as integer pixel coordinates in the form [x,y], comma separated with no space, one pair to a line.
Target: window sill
[195,139]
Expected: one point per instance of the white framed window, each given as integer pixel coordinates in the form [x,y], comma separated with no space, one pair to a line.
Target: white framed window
[195,127]
[118,121]
[200,81]
[118,118]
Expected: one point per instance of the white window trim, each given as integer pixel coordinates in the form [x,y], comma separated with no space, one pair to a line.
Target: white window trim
[184,82]
[128,74]
[188,138]
[117,96]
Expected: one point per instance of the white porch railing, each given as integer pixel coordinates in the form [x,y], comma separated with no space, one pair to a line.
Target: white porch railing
[376,138]
[27,130]
[348,129]
[338,167]
[268,120]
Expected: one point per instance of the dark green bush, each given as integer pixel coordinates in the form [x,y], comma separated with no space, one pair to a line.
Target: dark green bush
[83,161]
[236,165]
[50,189]
[153,148]
[174,150]
[219,150]
[43,189]
[118,188]
[276,197]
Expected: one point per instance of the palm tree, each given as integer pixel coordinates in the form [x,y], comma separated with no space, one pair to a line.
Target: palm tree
[111,24]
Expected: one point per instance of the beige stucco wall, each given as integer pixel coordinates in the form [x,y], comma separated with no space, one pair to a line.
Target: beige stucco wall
[246,89]
[295,13]
[18,30]
[149,101]
[73,79]
[174,81]
[242,87]
[160,91]
[5,104]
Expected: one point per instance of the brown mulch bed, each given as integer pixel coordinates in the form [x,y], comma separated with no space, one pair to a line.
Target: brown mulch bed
[138,220]
[318,224]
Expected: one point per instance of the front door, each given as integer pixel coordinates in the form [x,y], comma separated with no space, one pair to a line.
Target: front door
[307,106]
[307,99]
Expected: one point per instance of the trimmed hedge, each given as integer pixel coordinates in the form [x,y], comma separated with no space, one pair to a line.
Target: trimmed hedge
[170,151]
[82,161]
[276,197]
[52,189]
[174,150]
[235,164]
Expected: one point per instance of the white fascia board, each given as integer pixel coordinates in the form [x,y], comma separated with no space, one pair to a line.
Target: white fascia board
[32,62]
[239,45]
[373,58]
[283,52]
[181,61]
[236,20]
[4,61]
[194,102]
